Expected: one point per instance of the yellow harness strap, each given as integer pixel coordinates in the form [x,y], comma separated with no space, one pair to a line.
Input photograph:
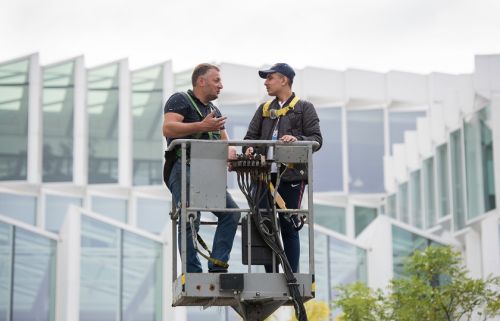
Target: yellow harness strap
[279,112]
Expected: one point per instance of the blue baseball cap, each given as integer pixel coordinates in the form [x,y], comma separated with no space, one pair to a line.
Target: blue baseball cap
[280,67]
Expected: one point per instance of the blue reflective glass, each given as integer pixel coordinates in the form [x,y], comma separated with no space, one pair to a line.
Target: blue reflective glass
[399,122]
[5,270]
[19,207]
[331,217]
[152,214]
[142,279]
[14,103]
[100,271]
[365,135]
[55,210]
[58,111]
[327,168]
[114,208]
[34,277]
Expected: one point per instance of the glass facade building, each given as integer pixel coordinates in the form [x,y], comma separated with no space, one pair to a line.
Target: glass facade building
[85,231]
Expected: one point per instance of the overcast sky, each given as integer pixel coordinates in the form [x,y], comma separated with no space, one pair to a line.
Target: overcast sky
[380,35]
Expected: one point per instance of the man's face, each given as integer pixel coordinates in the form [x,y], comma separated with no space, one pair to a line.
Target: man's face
[212,84]
[274,83]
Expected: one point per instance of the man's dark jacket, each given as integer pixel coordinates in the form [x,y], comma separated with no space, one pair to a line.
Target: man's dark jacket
[301,122]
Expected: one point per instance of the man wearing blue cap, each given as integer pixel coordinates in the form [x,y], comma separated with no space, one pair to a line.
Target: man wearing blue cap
[286,118]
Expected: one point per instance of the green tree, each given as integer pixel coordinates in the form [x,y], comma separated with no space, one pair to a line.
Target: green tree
[436,288]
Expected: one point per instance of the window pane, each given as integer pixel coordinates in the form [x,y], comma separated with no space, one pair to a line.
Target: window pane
[19,207]
[457,179]
[14,83]
[331,217]
[34,277]
[58,110]
[5,269]
[487,159]
[56,208]
[147,114]
[142,278]
[391,206]
[443,180]
[100,271]
[365,132]
[399,122]
[152,215]
[416,200]
[479,164]
[102,108]
[429,190]
[363,216]
[114,208]
[328,161]
[404,214]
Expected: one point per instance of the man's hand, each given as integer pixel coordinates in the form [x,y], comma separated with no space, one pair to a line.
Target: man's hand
[231,152]
[249,151]
[288,139]
[212,123]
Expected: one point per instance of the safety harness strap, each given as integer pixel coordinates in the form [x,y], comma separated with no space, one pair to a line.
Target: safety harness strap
[279,112]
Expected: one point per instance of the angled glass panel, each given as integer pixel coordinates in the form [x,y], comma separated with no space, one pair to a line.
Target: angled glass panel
[152,214]
[6,242]
[443,180]
[416,199]
[391,206]
[115,208]
[58,111]
[429,191]
[18,207]
[457,180]
[321,267]
[404,243]
[14,83]
[34,277]
[100,271]
[147,115]
[363,216]
[103,109]
[332,217]
[142,278]
[404,214]
[328,161]
[347,263]
[56,207]
[399,122]
[365,135]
